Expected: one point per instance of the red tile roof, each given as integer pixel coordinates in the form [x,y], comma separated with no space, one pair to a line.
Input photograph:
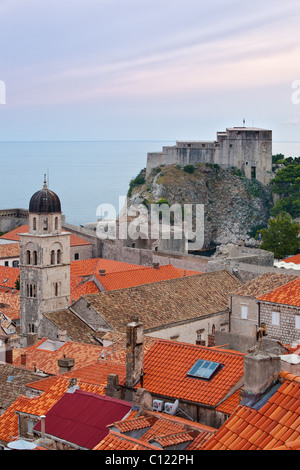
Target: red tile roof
[144,275]
[37,406]
[10,250]
[167,363]
[85,276]
[166,430]
[275,424]
[117,441]
[87,267]
[82,417]
[45,359]
[75,240]
[293,259]
[289,294]
[8,277]
[10,304]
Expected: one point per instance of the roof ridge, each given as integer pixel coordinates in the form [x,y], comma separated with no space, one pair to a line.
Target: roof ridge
[198,346]
[289,376]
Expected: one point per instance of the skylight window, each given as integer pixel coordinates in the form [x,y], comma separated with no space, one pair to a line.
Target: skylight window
[204,369]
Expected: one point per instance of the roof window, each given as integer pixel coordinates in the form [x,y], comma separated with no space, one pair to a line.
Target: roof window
[204,369]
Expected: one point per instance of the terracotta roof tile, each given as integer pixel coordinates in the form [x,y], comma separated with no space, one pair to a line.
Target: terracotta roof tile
[126,276]
[13,235]
[263,284]
[269,427]
[289,294]
[293,259]
[165,302]
[167,363]
[8,277]
[10,304]
[37,406]
[10,250]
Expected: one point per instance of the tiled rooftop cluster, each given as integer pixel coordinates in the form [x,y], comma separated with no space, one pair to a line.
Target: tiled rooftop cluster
[276,425]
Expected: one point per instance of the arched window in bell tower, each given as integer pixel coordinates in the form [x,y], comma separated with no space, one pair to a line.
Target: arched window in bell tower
[27,257]
[58,256]
[34,223]
[34,258]
[45,223]
[52,257]
[56,223]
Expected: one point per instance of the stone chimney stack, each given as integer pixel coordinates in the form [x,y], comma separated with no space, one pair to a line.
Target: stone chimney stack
[65,364]
[261,371]
[134,355]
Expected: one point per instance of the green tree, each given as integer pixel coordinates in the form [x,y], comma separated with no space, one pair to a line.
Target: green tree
[281,237]
[287,185]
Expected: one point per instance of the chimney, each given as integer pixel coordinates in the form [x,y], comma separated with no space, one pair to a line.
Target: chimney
[23,360]
[32,338]
[72,386]
[62,335]
[43,425]
[261,371]
[134,355]
[102,272]
[8,352]
[113,388]
[65,364]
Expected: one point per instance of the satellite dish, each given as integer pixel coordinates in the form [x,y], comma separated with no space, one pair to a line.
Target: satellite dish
[21,445]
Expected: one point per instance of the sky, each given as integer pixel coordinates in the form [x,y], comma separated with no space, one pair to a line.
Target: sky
[148,69]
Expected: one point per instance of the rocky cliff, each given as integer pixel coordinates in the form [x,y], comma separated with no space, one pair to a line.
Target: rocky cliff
[234,206]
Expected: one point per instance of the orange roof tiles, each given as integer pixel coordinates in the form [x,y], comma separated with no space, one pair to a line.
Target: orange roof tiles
[293,259]
[11,304]
[274,425]
[144,275]
[37,406]
[45,360]
[117,441]
[10,250]
[8,277]
[289,294]
[163,429]
[75,240]
[91,266]
[167,363]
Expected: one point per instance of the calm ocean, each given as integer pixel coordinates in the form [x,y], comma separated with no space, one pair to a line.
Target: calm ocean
[83,174]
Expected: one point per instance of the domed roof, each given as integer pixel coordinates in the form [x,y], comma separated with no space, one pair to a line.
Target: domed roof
[44,201]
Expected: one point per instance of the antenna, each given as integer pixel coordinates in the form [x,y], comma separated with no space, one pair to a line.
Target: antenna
[48,179]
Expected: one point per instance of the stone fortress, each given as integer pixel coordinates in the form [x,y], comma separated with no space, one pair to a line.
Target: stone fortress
[246,148]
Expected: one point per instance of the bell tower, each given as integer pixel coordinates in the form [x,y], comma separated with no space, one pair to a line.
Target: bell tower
[44,263]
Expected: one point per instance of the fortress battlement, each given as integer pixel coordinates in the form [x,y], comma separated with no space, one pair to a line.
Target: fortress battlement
[246,148]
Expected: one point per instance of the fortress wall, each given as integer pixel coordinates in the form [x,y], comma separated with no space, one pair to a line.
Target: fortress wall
[12,218]
[249,149]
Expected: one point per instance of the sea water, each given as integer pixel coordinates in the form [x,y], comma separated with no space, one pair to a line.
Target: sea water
[85,175]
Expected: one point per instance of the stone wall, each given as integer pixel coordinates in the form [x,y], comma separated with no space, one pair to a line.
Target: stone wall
[12,218]
[286,331]
[189,331]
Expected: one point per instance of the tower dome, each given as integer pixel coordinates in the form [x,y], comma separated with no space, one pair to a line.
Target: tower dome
[44,201]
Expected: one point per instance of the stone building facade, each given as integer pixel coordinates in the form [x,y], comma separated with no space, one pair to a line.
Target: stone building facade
[282,321]
[246,148]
